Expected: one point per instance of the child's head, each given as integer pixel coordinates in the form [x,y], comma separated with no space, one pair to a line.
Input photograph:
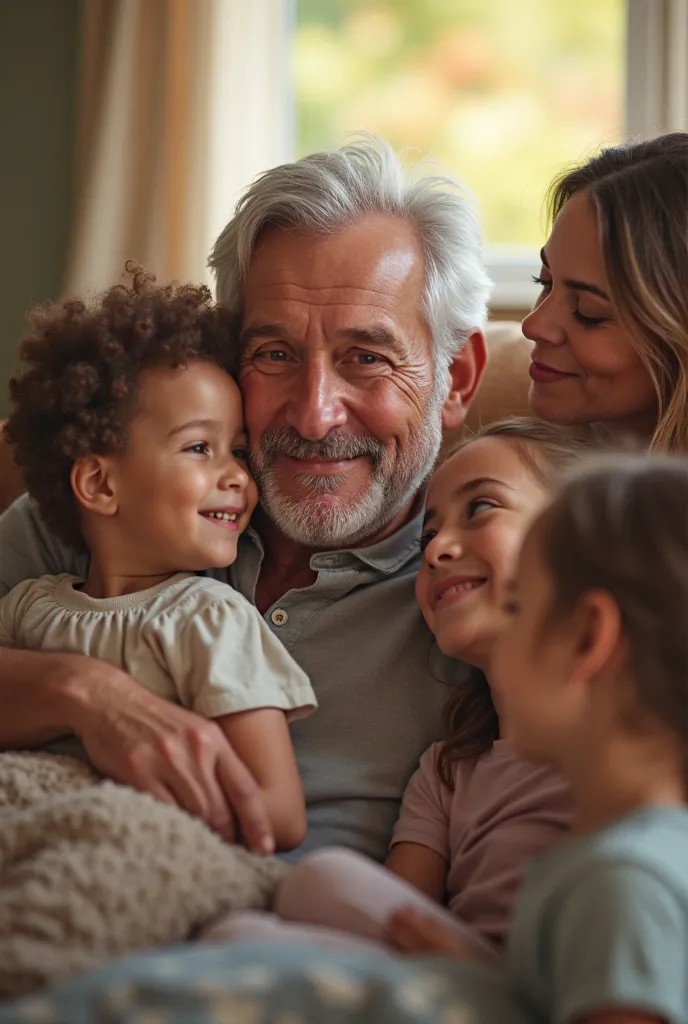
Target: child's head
[128,426]
[480,502]
[597,637]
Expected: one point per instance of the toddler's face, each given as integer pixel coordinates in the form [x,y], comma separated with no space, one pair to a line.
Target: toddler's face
[479,505]
[184,492]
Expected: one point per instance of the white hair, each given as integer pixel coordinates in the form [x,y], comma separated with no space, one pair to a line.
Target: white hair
[329,190]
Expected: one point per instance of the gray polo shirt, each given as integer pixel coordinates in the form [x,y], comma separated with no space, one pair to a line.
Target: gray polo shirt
[380,679]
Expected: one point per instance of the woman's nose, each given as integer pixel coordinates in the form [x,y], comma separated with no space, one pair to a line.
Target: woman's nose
[545,323]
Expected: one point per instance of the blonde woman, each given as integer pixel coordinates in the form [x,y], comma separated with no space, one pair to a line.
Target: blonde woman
[611,323]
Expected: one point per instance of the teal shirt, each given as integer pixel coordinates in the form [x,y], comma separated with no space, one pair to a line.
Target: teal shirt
[602,921]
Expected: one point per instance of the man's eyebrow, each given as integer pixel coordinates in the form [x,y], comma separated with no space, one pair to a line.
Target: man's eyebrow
[376,334]
[193,425]
[578,286]
[262,331]
[468,487]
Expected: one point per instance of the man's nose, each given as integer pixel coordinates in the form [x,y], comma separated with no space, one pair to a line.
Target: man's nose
[546,323]
[317,405]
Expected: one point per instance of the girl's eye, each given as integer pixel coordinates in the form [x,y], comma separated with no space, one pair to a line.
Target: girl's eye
[241,454]
[588,322]
[201,448]
[477,505]
[425,538]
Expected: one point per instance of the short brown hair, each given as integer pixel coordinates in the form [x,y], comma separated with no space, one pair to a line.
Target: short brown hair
[639,191]
[470,717]
[77,389]
[622,527]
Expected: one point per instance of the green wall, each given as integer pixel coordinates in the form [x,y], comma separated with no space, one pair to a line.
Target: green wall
[39,45]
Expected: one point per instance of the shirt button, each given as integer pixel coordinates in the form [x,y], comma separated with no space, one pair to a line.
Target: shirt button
[279,617]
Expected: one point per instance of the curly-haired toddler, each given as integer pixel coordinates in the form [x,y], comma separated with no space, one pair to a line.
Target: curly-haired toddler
[128,426]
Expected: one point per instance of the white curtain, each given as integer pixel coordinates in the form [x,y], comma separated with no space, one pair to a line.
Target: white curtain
[182,103]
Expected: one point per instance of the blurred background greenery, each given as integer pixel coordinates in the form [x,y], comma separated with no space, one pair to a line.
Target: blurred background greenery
[504,93]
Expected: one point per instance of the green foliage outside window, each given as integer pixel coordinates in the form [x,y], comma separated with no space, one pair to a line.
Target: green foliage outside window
[503,93]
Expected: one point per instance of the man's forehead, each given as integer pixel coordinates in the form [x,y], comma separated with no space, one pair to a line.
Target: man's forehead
[373,254]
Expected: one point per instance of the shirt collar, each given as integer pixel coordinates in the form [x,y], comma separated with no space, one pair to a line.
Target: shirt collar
[390,554]
[386,556]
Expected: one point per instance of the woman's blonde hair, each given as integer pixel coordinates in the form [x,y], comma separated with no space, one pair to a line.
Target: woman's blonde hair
[640,193]
[546,450]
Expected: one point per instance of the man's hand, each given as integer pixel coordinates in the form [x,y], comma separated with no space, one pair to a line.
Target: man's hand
[412,931]
[160,748]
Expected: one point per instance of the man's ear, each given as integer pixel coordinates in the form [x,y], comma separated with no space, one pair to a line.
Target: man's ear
[93,484]
[465,373]
[599,640]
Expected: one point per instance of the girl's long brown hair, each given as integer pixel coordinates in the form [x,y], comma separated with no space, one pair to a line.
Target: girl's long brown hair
[639,191]
[471,721]
[622,527]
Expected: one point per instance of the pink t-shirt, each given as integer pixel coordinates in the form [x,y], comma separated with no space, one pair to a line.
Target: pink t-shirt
[501,813]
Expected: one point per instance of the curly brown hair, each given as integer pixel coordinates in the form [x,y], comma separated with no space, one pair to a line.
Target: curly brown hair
[470,717]
[82,363]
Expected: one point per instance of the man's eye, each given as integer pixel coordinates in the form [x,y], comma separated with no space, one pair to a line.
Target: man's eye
[273,355]
[201,448]
[425,538]
[367,359]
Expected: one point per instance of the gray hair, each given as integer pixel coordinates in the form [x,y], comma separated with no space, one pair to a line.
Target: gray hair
[327,190]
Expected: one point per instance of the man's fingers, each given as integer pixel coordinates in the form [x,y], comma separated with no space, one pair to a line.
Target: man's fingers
[246,799]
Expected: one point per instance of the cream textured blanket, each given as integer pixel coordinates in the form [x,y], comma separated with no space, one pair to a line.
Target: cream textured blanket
[91,870]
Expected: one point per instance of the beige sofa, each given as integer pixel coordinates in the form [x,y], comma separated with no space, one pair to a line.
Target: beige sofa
[503,391]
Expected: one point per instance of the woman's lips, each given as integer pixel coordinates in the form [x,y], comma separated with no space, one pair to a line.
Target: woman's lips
[543,374]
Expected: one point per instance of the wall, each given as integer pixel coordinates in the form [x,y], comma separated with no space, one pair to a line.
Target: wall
[39,45]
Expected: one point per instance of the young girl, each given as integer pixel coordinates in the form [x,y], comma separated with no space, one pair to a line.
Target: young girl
[592,674]
[473,813]
[129,429]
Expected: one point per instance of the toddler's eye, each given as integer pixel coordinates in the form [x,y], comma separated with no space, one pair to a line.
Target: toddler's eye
[425,538]
[201,448]
[241,454]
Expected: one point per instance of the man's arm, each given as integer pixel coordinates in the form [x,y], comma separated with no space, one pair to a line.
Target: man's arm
[131,736]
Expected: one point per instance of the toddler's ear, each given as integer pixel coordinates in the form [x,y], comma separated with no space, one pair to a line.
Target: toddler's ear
[93,485]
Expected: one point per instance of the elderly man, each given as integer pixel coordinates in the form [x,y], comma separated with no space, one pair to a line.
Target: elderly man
[359,301]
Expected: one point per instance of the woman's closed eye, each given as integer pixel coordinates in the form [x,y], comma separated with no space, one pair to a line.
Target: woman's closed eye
[588,322]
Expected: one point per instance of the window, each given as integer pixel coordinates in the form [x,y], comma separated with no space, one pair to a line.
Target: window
[503,94]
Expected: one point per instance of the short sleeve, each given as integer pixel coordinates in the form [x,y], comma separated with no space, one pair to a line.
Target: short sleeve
[29,550]
[225,660]
[423,817]
[619,940]
[12,609]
